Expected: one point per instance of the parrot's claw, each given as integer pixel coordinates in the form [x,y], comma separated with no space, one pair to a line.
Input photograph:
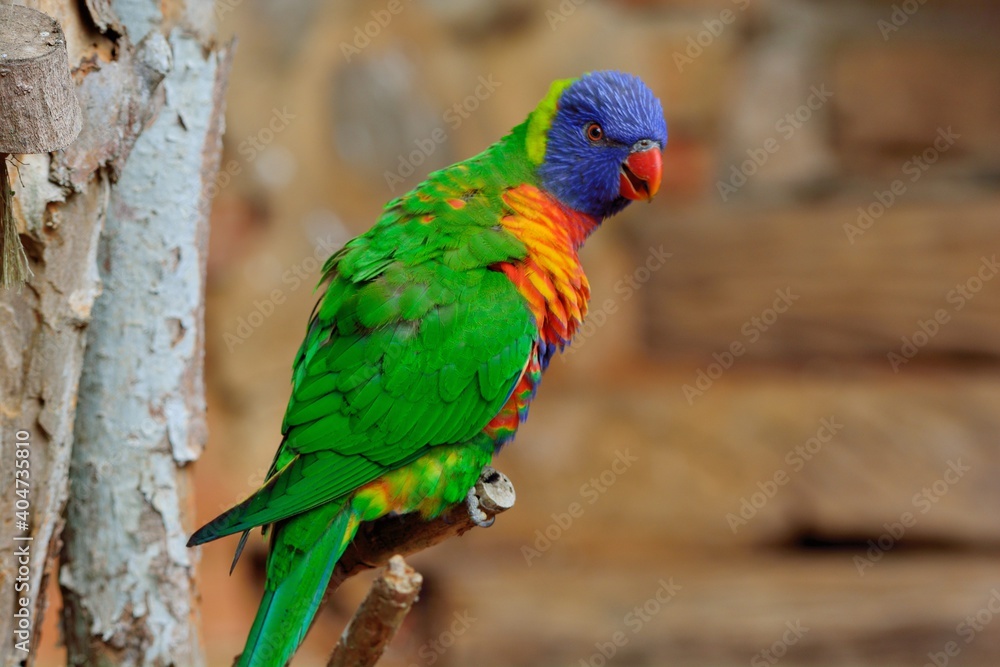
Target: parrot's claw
[476,513]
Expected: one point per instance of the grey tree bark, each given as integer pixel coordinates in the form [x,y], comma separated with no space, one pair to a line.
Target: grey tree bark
[115,228]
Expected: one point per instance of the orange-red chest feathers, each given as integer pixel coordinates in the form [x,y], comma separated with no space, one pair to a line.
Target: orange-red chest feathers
[550,277]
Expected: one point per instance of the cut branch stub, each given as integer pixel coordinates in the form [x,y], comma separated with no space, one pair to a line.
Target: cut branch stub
[39,112]
[495,491]
[38,102]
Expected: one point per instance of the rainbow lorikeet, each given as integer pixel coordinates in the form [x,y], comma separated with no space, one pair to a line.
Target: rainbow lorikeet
[429,342]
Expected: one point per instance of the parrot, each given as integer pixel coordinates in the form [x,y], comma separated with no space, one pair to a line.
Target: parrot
[428,343]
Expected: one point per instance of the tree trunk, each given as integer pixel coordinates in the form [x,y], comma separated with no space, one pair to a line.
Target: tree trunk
[41,353]
[122,208]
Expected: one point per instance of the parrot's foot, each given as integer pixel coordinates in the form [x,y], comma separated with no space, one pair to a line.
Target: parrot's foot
[476,513]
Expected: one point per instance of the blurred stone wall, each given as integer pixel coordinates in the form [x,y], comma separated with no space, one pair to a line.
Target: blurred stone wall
[776,439]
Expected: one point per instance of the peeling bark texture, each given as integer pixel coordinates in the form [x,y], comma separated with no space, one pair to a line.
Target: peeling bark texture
[41,353]
[378,618]
[123,205]
[127,577]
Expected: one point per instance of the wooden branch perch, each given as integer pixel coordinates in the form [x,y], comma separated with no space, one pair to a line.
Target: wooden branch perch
[378,618]
[378,541]
[392,595]
[388,540]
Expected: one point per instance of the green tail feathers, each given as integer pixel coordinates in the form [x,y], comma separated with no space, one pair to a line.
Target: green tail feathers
[304,551]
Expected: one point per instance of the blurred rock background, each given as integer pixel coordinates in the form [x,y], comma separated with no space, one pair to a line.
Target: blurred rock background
[780,425]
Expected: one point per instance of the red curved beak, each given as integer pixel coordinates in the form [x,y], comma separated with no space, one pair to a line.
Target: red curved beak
[641,174]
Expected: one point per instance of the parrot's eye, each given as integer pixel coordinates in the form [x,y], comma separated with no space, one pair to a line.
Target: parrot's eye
[594,132]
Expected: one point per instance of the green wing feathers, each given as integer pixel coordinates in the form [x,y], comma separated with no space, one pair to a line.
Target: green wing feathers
[416,342]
